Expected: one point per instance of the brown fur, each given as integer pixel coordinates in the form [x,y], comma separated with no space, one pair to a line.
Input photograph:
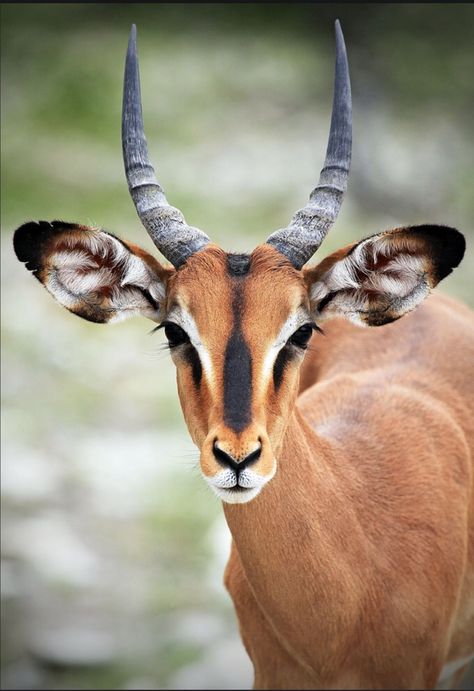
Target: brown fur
[213,301]
[354,566]
[358,559]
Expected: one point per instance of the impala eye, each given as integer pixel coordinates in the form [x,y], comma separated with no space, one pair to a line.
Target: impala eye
[175,334]
[301,336]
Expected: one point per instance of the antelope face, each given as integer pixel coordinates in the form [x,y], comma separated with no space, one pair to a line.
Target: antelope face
[237,327]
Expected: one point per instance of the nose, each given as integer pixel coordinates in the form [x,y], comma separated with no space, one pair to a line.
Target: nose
[237,463]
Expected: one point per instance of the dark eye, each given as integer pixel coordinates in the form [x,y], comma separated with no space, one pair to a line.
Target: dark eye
[301,336]
[175,334]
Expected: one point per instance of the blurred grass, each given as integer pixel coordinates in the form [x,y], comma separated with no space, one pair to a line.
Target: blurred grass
[97,466]
[236,103]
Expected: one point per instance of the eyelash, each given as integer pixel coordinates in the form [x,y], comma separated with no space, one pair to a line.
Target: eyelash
[179,337]
[182,338]
[304,335]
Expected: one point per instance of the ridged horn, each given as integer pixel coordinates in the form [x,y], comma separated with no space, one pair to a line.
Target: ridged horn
[309,226]
[165,224]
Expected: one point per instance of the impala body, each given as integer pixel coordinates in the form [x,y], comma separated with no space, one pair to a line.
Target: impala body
[345,469]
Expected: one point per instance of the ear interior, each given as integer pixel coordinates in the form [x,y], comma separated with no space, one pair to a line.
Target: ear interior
[91,272]
[384,276]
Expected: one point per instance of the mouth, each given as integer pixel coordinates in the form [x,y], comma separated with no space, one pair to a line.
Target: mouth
[236,494]
[236,488]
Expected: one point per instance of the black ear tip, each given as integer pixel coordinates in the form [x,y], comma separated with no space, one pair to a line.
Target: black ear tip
[459,242]
[25,238]
[453,243]
[448,247]
[30,240]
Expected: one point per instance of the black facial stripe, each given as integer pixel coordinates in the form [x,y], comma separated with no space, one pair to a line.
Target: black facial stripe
[282,359]
[237,382]
[192,358]
[237,373]
[238,264]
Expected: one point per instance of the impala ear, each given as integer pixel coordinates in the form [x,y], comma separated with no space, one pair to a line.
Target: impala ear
[91,272]
[379,279]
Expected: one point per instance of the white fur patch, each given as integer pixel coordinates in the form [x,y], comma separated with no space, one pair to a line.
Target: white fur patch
[186,321]
[353,281]
[405,264]
[223,482]
[99,271]
[83,283]
[293,323]
[232,497]
[76,259]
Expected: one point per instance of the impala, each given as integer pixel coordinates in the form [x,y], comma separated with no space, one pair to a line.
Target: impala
[345,472]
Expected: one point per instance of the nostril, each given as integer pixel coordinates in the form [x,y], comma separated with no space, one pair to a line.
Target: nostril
[252,457]
[227,460]
[224,458]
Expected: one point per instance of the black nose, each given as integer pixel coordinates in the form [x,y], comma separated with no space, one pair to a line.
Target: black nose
[229,461]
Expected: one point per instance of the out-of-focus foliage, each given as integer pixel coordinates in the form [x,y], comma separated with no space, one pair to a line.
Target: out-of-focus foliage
[113,548]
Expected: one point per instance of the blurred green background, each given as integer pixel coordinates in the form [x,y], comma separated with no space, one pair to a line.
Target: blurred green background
[112,546]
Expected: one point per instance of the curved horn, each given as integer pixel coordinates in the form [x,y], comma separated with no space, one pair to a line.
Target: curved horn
[165,224]
[309,226]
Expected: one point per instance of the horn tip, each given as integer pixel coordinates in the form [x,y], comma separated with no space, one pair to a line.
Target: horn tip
[132,46]
[340,43]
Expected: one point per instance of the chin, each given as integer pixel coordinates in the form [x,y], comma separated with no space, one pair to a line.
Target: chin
[237,496]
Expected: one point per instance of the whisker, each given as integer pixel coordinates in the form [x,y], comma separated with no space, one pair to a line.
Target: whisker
[160,352]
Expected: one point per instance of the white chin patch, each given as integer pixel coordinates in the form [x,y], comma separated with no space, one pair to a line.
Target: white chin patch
[236,496]
[250,484]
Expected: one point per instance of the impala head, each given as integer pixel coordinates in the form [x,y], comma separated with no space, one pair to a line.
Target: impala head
[237,325]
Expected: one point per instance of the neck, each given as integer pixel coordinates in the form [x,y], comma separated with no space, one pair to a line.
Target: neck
[301,547]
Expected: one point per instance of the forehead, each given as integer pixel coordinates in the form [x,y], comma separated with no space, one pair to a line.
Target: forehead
[261,289]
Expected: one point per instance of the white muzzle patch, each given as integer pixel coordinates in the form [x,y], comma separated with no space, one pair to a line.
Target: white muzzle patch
[238,490]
